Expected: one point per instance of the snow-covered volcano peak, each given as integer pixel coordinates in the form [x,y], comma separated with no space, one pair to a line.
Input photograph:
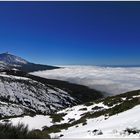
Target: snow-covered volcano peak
[12,59]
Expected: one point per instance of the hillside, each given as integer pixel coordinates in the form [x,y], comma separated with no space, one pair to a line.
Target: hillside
[81,93]
[20,95]
[23,94]
[112,117]
[116,116]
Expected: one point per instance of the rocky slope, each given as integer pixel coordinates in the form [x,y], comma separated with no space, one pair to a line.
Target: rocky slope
[22,94]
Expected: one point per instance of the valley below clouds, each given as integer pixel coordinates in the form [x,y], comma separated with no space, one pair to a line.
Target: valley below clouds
[110,80]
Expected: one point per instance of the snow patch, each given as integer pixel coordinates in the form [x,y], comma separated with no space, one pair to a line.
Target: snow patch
[36,122]
[113,127]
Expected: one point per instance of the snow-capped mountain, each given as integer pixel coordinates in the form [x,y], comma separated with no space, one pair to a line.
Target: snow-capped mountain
[10,61]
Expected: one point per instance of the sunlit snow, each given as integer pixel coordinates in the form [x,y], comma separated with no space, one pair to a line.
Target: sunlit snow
[36,122]
[111,127]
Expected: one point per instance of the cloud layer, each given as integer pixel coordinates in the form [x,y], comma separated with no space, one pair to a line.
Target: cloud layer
[106,79]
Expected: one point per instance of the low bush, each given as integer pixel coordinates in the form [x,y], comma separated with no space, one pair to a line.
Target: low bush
[8,131]
[131,131]
[88,103]
[97,108]
[83,109]
[85,123]
[57,117]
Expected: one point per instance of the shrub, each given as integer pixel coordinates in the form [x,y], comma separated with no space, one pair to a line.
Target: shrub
[71,120]
[97,132]
[85,123]
[131,131]
[57,117]
[97,108]
[88,103]
[83,109]
[8,131]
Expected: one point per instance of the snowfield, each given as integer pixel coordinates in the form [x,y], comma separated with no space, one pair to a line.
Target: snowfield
[114,126]
[77,111]
[100,127]
[106,79]
[36,122]
[112,117]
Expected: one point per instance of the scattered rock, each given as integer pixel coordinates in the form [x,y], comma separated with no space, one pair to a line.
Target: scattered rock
[61,135]
[97,132]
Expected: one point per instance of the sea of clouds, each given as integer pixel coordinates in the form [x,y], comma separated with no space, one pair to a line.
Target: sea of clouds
[106,79]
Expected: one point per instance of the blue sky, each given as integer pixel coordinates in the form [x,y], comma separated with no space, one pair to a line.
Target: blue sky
[64,33]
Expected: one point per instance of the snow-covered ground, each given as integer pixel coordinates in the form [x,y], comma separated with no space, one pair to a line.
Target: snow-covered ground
[77,111]
[104,126]
[36,122]
[100,127]
[112,127]
[107,79]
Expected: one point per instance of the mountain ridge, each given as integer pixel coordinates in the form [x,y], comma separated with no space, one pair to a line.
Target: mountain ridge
[10,61]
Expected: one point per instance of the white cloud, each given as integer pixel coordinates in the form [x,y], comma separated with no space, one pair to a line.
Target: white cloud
[106,79]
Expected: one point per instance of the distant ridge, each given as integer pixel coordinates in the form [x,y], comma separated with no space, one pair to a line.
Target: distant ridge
[10,61]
